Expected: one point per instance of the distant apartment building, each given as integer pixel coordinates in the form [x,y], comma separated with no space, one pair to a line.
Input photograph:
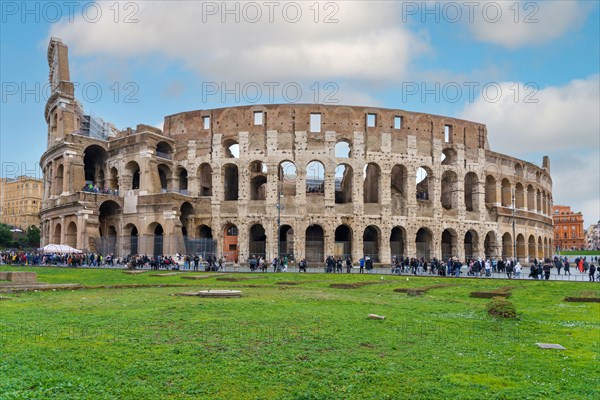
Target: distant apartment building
[20,201]
[592,237]
[568,228]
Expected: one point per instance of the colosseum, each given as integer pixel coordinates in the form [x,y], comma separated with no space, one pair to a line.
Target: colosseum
[301,180]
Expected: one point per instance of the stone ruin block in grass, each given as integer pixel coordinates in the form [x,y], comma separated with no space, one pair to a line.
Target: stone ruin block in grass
[501,307]
[501,292]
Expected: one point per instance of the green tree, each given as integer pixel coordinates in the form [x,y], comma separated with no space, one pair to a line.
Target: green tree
[5,236]
[31,237]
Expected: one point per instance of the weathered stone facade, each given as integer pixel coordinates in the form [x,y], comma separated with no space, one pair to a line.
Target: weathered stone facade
[338,179]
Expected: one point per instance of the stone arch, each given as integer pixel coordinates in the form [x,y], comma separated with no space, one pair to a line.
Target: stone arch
[156,232]
[205,173]
[230,242]
[258,180]
[109,220]
[471,191]
[538,201]
[521,249]
[490,245]
[164,150]
[315,177]
[58,180]
[343,149]
[257,241]
[424,244]
[186,215]
[490,190]
[113,179]
[449,243]
[423,176]
[449,190]
[371,178]
[182,180]
[399,186]
[372,242]
[519,196]
[286,241]
[204,232]
[315,244]
[287,176]
[231,148]
[471,244]
[94,163]
[507,245]
[540,249]
[398,242]
[518,170]
[132,233]
[530,198]
[71,235]
[57,234]
[230,182]
[531,253]
[343,241]
[343,183]
[506,193]
[132,169]
[164,177]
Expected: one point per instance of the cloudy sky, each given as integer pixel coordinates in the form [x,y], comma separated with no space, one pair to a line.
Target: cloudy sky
[528,70]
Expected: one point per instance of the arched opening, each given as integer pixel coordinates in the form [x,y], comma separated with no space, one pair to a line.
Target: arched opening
[398,186]
[164,177]
[471,192]
[286,241]
[530,198]
[372,173]
[538,201]
[449,239]
[182,176]
[57,234]
[506,193]
[521,249]
[258,180]
[204,232]
[71,235]
[519,196]
[133,173]
[490,190]
[315,178]
[422,181]
[342,149]
[471,244]
[315,244]
[158,240]
[164,150]
[547,248]
[230,182]
[132,232]
[109,218]
[518,170]
[490,246]
[343,241]
[94,160]
[113,180]
[58,182]
[287,179]
[531,248]
[423,242]
[257,244]
[371,243]
[186,217]
[540,249]
[202,243]
[231,148]
[230,243]
[205,176]
[507,245]
[449,189]
[343,184]
[397,242]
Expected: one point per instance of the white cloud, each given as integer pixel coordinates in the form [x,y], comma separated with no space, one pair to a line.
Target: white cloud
[564,124]
[366,43]
[515,24]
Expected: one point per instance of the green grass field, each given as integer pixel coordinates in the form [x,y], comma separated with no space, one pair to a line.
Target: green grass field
[305,341]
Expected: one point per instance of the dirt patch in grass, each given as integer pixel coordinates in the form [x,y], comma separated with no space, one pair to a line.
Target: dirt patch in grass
[354,285]
[292,283]
[500,292]
[587,296]
[421,290]
[236,279]
[500,307]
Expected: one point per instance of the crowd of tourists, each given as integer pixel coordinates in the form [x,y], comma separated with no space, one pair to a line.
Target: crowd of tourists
[476,267]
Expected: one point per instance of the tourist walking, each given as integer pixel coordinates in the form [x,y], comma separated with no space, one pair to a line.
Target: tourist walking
[592,272]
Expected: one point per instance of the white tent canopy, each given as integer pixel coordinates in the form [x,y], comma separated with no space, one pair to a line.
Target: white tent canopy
[59,248]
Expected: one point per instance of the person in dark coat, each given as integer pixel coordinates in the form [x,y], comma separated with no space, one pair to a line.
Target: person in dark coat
[592,272]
